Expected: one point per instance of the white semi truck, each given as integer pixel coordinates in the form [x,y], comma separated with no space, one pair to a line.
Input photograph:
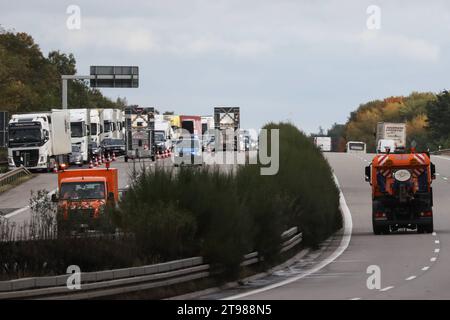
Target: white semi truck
[391,131]
[39,140]
[109,125]
[96,125]
[323,143]
[163,134]
[80,126]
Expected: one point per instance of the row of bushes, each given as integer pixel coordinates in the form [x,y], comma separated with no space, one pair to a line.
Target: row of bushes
[222,216]
[199,211]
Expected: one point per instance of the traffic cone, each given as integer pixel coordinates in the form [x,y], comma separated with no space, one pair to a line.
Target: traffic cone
[55,168]
[114,157]
[96,162]
[158,155]
[90,165]
[108,158]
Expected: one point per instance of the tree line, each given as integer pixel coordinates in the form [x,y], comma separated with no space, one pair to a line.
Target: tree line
[426,114]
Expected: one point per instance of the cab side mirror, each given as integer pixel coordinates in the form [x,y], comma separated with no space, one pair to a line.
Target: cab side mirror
[110,196]
[54,198]
[367,173]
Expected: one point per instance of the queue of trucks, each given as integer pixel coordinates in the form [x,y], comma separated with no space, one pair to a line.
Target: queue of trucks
[42,140]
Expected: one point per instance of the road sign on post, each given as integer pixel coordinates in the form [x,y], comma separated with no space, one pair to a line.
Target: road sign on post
[4,118]
[114,77]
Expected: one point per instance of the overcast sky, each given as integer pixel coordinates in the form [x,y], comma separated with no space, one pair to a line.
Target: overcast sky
[311,62]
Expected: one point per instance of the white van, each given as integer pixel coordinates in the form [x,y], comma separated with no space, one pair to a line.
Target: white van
[385,144]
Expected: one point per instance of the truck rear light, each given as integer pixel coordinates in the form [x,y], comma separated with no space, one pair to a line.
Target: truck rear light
[380,216]
[426,214]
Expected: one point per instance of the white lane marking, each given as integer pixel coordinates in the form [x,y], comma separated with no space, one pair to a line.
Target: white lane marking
[348,225]
[437,250]
[410,278]
[425,268]
[437,174]
[434,234]
[433,259]
[16,212]
[436,241]
[387,288]
[445,178]
[355,299]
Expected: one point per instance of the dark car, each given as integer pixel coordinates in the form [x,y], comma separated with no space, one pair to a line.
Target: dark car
[94,150]
[113,145]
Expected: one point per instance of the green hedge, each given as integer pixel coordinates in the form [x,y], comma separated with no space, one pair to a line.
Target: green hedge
[225,215]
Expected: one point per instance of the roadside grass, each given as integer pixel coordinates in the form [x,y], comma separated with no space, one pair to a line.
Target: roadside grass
[195,212]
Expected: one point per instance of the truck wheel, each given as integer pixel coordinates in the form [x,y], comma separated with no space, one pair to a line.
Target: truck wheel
[377,230]
[425,228]
[126,159]
[376,205]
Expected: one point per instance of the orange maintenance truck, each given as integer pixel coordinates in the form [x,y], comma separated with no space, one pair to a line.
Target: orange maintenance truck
[83,195]
[402,196]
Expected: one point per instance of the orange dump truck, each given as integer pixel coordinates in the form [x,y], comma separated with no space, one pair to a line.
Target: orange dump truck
[402,196]
[83,194]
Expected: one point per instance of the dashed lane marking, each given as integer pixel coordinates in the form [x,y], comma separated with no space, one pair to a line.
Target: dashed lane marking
[387,288]
[410,278]
[437,250]
[433,259]
[345,241]
[425,268]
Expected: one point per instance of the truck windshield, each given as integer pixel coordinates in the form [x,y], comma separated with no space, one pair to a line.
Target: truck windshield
[160,136]
[108,126]
[82,190]
[77,129]
[24,135]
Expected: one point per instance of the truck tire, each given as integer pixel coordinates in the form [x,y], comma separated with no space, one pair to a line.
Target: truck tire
[425,228]
[377,229]
[126,159]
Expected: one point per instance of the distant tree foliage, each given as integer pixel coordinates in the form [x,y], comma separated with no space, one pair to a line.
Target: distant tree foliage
[438,122]
[412,109]
[29,81]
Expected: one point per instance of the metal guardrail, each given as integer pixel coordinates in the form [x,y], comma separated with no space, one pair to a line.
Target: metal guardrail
[11,176]
[125,280]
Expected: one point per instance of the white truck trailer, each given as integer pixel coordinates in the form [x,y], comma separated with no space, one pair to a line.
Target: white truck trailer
[323,143]
[392,131]
[80,126]
[39,140]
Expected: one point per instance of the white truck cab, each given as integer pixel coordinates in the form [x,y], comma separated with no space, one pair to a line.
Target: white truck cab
[39,140]
[80,126]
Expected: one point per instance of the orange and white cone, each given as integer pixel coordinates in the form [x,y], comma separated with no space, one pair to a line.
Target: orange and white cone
[90,165]
[114,157]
